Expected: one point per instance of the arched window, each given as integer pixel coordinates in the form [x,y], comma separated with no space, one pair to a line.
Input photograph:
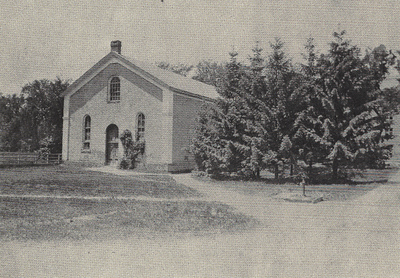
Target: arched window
[115,89]
[140,126]
[86,132]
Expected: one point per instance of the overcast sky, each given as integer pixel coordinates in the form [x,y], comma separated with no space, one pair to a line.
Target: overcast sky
[45,39]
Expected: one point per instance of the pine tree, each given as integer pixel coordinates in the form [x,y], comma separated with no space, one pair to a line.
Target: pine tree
[219,146]
[282,106]
[348,123]
[309,144]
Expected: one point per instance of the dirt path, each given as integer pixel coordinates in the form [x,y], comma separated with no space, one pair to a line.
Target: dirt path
[360,238]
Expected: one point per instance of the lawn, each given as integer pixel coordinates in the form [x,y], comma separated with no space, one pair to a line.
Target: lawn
[63,202]
[49,218]
[364,182]
[336,192]
[73,181]
[57,202]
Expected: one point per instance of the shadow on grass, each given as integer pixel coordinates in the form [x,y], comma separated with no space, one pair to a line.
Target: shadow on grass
[52,219]
[319,176]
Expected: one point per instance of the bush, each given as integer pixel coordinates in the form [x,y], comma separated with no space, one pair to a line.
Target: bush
[132,150]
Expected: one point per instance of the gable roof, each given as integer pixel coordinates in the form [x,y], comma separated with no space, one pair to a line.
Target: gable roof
[164,78]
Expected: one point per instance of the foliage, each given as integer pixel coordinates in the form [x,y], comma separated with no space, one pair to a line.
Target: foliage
[225,143]
[205,71]
[181,69]
[33,119]
[346,118]
[209,72]
[248,129]
[330,110]
[132,150]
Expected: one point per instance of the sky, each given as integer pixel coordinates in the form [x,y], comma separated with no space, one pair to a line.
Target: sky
[60,38]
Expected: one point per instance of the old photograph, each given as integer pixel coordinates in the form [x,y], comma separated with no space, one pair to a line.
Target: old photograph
[200,138]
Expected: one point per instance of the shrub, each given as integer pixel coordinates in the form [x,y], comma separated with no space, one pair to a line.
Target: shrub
[132,150]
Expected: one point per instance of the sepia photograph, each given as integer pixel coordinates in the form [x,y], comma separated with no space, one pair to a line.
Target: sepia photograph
[199,138]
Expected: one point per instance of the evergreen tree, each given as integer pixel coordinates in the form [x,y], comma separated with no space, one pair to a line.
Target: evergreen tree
[282,106]
[271,114]
[307,137]
[218,146]
[348,121]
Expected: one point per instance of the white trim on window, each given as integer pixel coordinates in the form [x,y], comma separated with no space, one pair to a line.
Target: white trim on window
[140,125]
[87,125]
[114,89]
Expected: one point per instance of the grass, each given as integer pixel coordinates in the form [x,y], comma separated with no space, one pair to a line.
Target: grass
[72,181]
[364,182]
[52,219]
[167,212]
[83,216]
[337,192]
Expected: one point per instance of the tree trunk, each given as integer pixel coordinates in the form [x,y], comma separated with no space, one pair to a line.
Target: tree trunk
[335,166]
[276,171]
[292,161]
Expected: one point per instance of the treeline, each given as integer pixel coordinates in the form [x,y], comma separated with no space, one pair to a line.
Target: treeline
[328,111]
[32,120]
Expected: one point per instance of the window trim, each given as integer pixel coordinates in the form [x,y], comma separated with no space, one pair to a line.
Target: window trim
[86,136]
[140,125]
[117,94]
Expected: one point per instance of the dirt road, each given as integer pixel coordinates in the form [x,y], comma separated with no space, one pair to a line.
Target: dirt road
[330,239]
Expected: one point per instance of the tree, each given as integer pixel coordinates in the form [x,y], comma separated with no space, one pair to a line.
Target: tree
[181,69]
[209,72]
[283,103]
[347,114]
[245,130]
[10,109]
[34,119]
[220,146]
[307,129]
[271,114]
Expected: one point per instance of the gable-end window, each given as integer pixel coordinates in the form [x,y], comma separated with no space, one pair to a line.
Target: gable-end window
[115,89]
[86,133]
[140,125]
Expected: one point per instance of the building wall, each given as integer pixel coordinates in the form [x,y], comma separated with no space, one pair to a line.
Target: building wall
[137,95]
[185,112]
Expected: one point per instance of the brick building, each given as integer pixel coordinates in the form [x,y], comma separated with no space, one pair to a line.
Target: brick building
[120,93]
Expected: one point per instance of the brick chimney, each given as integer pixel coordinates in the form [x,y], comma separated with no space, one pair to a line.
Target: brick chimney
[116,46]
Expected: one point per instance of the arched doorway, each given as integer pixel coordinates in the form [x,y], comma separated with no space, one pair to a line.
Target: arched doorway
[112,141]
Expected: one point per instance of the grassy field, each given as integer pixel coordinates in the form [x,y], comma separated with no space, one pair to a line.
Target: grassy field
[62,202]
[55,202]
[364,182]
[73,181]
[48,219]
[337,192]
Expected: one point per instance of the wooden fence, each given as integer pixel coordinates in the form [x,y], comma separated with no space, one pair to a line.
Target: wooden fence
[10,158]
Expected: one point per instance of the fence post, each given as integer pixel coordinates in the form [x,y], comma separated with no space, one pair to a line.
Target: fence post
[47,158]
[58,158]
[18,158]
